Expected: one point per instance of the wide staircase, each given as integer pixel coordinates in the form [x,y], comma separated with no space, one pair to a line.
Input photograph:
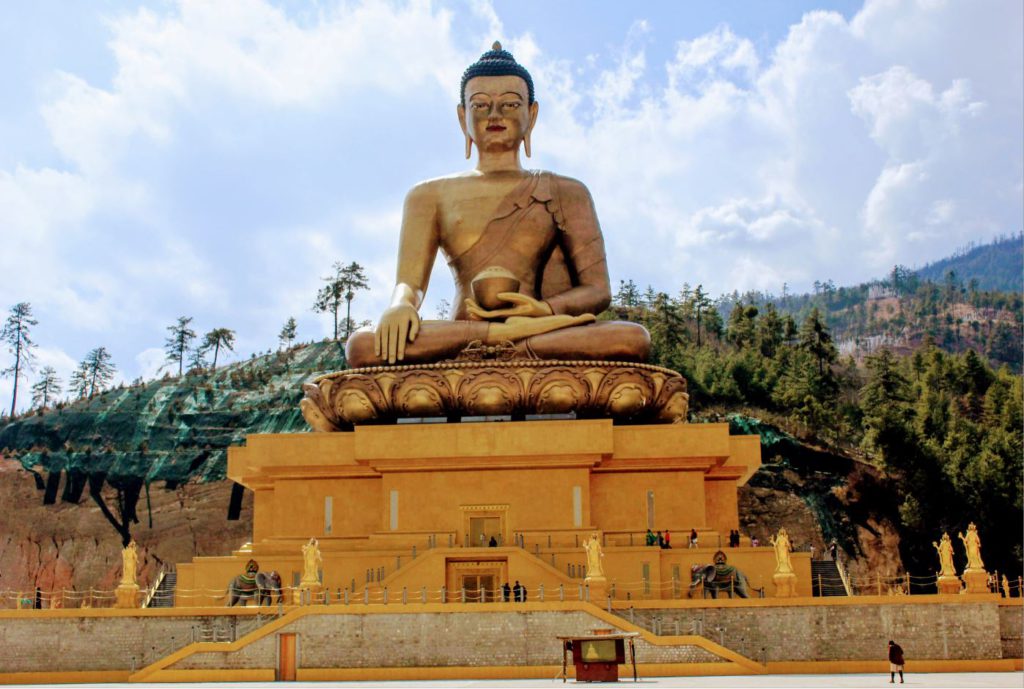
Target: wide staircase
[826,579]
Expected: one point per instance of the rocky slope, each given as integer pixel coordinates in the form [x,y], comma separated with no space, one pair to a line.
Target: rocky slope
[72,546]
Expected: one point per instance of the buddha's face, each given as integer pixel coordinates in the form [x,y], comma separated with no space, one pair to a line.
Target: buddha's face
[495,112]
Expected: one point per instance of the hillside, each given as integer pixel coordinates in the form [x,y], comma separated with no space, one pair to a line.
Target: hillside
[949,303]
[170,431]
[997,267]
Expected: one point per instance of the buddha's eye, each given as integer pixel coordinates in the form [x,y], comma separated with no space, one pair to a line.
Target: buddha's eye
[510,106]
[480,106]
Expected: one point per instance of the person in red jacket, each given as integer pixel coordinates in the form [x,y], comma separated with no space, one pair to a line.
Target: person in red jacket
[895,662]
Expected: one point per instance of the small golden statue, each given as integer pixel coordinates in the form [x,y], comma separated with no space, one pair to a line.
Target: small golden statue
[311,563]
[948,581]
[1006,587]
[129,564]
[127,592]
[782,546]
[595,569]
[972,542]
[974,575]
[784,577]
[945,550]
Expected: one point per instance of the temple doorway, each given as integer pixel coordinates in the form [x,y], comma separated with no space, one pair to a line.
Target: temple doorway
[480,579]
[483,529]
[481,523]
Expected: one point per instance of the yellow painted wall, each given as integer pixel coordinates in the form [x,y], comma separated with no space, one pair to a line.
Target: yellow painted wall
[672,440]
[298,506]
[620,500]
[537,499]
[720,505]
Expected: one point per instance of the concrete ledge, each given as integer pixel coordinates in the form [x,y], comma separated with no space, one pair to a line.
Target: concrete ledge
[237,675]
[826,601]
[852,667]
[78,677]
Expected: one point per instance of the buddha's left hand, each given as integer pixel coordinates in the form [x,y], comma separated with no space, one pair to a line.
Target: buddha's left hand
[522,306]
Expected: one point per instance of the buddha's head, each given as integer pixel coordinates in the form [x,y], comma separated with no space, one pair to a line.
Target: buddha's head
[497,109]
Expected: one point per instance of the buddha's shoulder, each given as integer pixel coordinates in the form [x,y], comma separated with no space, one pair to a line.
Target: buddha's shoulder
[433,188]
[569,186]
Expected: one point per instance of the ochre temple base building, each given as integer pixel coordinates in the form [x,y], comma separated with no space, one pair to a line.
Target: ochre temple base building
[472,506]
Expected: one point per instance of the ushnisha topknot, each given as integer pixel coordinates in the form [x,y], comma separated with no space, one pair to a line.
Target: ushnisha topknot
[496,62]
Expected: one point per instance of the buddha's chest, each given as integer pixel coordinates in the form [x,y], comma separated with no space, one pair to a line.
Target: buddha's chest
[466,215]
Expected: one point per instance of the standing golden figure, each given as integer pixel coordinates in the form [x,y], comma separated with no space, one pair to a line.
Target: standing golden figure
[945,551]
[782,546]
[972,542]
[311,563]
[130,564]
[126,595]
[974,575]
[947,581]
[784,577]
[592,546]
[535,233]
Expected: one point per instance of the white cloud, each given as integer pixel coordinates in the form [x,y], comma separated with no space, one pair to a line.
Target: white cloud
[237,150]
[834,158]
[711,58]
[906,118]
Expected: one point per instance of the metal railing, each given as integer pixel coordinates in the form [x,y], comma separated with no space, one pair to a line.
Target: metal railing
[371,594]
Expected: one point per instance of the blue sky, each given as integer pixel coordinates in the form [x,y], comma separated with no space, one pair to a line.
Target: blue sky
[213,159]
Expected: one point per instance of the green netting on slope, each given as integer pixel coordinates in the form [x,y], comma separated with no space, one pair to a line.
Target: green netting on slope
[781,447]
[809,473]
[770,435]
[172,430]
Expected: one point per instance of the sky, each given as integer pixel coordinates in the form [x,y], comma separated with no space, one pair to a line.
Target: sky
[213,160]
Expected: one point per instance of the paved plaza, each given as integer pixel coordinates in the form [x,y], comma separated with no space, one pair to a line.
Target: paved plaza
[979,679]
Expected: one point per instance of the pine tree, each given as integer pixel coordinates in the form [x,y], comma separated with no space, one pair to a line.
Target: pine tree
[197,359]
[46,388]
[742,326]
[770,331]
[93,374]
[343,285]
[697,307]
[288,333]
[816,339]
[178,342]
[16,333]
[628,295]
[217,338]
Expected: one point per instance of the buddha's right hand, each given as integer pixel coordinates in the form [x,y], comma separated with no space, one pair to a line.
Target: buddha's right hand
[398,325]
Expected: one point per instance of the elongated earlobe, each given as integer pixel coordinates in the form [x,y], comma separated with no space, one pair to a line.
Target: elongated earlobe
[469,147]
[526,145]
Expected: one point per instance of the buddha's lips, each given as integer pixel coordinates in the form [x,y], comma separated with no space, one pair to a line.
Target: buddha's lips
[495,128]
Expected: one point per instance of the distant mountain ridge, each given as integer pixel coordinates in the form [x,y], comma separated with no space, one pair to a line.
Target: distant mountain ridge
[973,299]
[998,266]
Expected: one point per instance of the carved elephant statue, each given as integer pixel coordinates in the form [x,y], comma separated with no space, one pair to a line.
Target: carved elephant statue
[262,588]
[724,578]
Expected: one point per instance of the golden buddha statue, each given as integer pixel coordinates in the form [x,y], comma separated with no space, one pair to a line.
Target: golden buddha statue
[526,251]
[533,234]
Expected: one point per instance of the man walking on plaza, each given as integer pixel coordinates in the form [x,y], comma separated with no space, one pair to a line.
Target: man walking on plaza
[895,662]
